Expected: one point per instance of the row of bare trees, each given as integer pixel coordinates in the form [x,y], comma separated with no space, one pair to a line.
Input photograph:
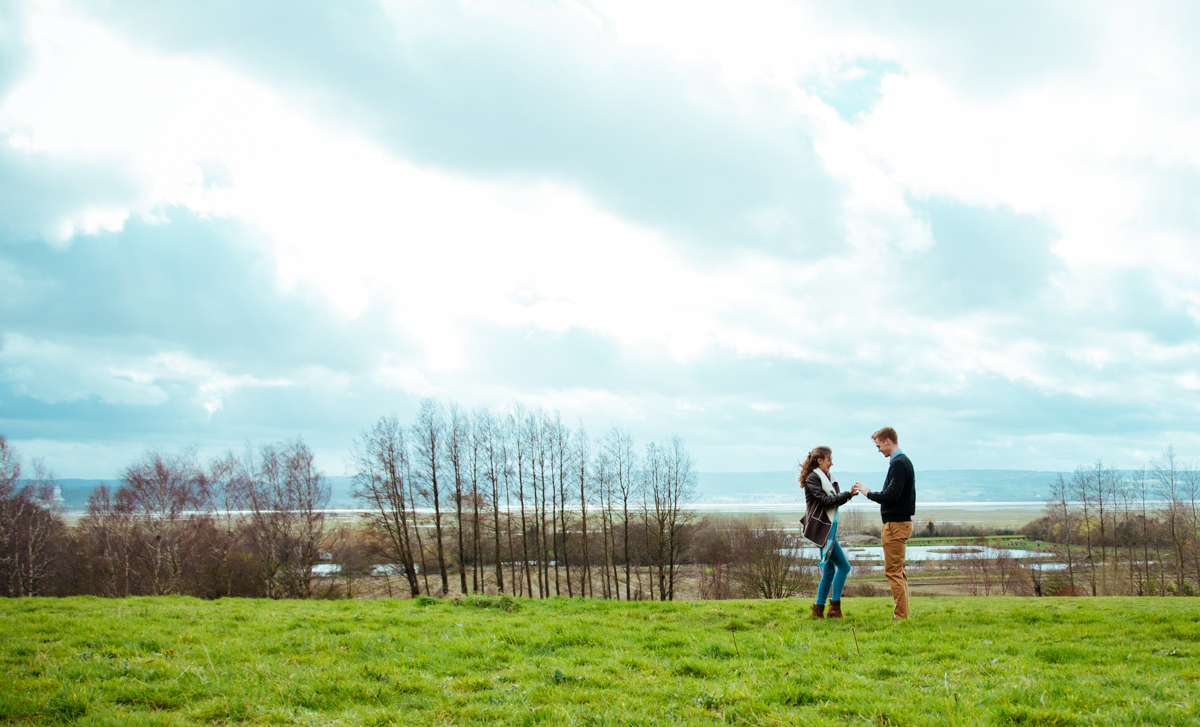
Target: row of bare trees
[509,501]
[250,523]
[517,502]
[247,524]
[31,526]
[1127,533]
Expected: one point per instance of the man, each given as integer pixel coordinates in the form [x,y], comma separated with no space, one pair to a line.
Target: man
[897,502]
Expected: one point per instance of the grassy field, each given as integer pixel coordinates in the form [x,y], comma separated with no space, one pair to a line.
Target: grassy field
[488,660]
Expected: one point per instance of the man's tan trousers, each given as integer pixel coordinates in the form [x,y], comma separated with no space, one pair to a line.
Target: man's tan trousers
[895,544]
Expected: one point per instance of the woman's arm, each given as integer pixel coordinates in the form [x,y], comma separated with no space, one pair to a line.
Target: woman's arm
[814,491]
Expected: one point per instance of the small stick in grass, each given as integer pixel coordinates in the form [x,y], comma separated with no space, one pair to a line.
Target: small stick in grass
[856,647]
[216,676]
[735,644]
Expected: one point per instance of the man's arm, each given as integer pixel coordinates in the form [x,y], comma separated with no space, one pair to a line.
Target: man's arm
[894,485]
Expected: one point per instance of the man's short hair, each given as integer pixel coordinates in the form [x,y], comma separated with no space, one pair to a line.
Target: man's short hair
[886,433]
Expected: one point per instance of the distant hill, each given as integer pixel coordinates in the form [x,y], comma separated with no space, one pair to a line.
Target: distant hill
[75,492]
[751,488]
[933,486]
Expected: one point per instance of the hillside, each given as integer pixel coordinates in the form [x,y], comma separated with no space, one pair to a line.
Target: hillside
[178,661]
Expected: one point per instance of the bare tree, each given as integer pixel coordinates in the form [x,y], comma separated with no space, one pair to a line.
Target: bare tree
[266,499]
[603,484]
[222,494]
[561,456]
[107,533]
[10,477]
[768,561]
[1125,493]
[286,496]
[36,523]
[543,489]
[972,563]
[380,457]
[457,445]
[493,458]
[715,554]
[309,498]
[1059,507]
[478,464]
[538,453]
[1191,487]
[670,484]
[619,446]
[1142,487]
[580,457]
[509,466]
[521,448]
[10,469]
[1103,485]
[351,556]
[1170,486]
[1010,576]
[654,487]
[162,488]
[428,435]
[681,479]
[1083,488]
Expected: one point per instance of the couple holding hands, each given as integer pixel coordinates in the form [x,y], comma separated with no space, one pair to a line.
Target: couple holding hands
[897,502]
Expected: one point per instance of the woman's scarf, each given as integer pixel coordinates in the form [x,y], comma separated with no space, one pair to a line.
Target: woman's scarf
[832,512]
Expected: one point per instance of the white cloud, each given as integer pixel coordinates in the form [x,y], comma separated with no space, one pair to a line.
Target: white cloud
[352,221]
[446,253]
[55,373]
[52,373]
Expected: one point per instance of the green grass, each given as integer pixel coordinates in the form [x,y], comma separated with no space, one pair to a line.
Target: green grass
[957,662]
[1013,541]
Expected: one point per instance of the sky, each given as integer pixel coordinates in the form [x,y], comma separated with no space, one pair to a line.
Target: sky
[759,226]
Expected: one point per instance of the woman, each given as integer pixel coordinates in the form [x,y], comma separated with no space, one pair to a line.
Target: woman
[823,498]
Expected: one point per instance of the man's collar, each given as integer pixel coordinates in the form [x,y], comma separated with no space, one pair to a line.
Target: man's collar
[895,454]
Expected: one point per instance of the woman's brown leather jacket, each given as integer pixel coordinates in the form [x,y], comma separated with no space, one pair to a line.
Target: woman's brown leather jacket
[816,521]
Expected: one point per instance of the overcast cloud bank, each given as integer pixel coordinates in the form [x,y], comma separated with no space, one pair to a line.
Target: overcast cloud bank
[761,226]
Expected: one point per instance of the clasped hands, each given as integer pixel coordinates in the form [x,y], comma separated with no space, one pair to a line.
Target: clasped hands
[860,489]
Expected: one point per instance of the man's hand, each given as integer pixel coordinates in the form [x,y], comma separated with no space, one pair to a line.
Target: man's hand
[860,489]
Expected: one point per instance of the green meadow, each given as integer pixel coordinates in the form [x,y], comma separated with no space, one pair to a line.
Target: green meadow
[488,660]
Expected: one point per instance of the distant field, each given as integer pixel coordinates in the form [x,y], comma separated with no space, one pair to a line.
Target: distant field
[487,661]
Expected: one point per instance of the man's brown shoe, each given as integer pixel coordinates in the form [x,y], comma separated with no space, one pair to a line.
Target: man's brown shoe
[818,611]
[835,609]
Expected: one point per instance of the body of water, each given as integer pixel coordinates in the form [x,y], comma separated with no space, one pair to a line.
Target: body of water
[918,553]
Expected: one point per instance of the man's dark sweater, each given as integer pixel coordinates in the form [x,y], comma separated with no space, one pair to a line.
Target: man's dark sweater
[898,498]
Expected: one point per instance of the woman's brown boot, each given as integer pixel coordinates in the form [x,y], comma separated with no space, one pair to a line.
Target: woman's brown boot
[835,609]
[818,610]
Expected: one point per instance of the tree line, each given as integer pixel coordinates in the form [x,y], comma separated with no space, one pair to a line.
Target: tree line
[248,523]
[1124,533]
[509,501]
[517,502]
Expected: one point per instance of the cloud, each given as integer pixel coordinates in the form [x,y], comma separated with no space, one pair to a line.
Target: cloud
[348,219]
[43,197]
[760,225]
[984,48]
[534,92]
[854,89]
[981,258]
[46,372]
